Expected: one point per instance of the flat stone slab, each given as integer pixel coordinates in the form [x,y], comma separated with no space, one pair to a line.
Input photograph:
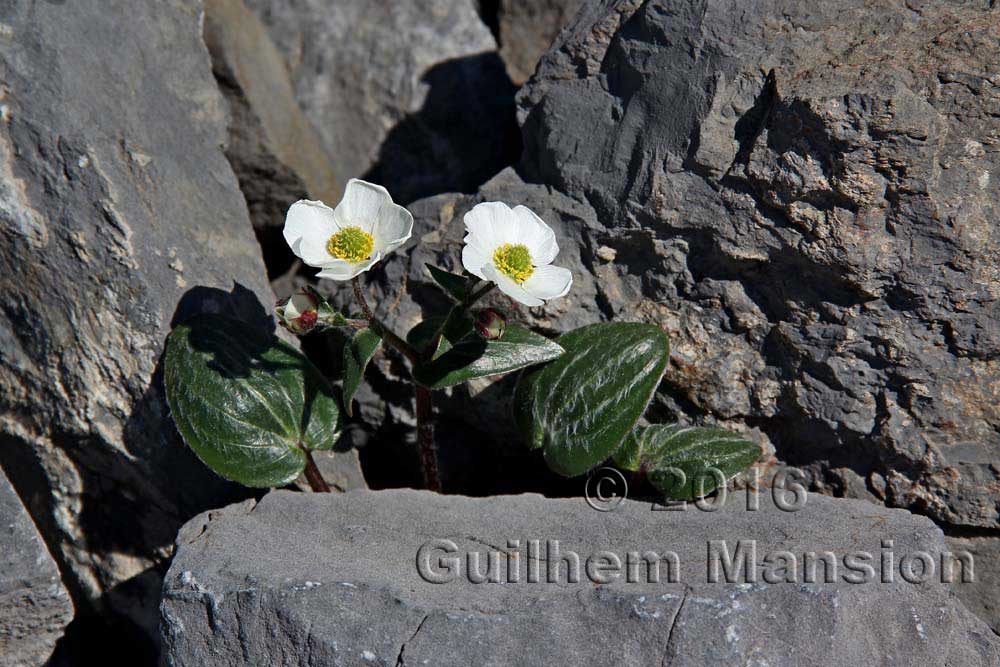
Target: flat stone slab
[34,606]
[388,578]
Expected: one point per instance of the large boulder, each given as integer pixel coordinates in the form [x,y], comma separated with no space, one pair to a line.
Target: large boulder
[34,605]
[275,151]
[390,578]
[526,29]
[119,215]
[814,203]
[412,95]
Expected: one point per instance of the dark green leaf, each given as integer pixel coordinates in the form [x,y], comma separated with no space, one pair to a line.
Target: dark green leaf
[473,357]
[422,333]
[457,286]
[583,405]
[357,354]
[687,462]
[629,455]
[245,402]
[456,326]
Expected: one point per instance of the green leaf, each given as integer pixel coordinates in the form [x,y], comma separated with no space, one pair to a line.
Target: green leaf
[584,404]
[245,402]
[629,455]
[456,327]
[457,286]
[422,334]
[357,354]
[687,462]
[473,357]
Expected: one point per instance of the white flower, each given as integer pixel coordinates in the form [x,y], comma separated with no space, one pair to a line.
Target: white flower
[348,240]
[514,248]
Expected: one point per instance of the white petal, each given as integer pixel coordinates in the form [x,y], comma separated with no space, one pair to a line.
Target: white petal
[308,227]
[337,269]
[549,282]
[361,205]
[489,225]
[340,269]
[392,228]
[298,304]
[538,236]
[509,287]
[473,260]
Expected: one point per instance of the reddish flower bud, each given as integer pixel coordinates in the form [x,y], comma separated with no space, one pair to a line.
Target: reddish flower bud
[299,313]
[490,324]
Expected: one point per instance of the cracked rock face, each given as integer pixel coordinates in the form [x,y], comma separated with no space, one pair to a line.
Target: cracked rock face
[805,204]
[118,215]
[814,202]
[806,211]
[34,605]
[527,28]
[411,95]
[305,579]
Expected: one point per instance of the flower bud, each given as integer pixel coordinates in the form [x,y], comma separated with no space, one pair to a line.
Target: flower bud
[490,324]
[299,313]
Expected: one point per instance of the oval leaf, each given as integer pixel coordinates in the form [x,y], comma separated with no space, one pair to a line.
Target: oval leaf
[457,286]
[363,346]
[423,332]
[473,357]
[583,405]
[687,462]
[245,402]
[452,328]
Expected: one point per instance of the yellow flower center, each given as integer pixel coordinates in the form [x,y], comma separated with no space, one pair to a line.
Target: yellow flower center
[351,243]
[514,261]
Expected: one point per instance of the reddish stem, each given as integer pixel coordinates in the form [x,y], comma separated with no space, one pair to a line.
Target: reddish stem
[425,437]
[313,475]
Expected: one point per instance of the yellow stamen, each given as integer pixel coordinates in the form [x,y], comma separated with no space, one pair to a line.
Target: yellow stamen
[514,261]
[351,243]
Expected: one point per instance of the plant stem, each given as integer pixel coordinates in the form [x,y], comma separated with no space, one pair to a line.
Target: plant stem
[425,437]
[313,476]
[424,402]
[388,335]
[359,294]
[640,477]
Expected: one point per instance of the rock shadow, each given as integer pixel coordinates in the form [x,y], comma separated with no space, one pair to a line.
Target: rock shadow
[461,136]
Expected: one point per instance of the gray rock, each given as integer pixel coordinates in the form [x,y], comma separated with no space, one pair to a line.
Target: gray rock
[982,595]
[34,606]
[527,28]
[119,215]
[305,579]
[340,469]
[810,205]
[412,95]
[818,243]
[275,151]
